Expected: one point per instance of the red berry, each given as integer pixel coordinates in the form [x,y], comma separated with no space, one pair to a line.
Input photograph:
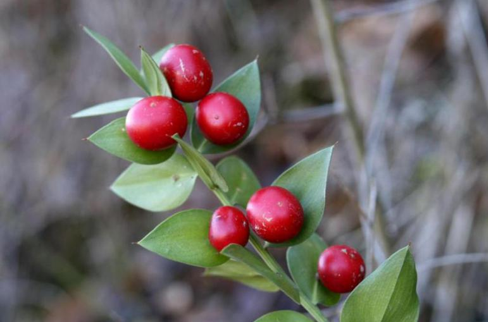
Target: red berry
[222,118]
[341,268]
[228,226]
[275,214]
[187,71]
[152,121]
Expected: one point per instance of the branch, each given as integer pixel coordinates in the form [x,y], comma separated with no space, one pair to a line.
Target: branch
[335,60]
[311,113]
[381,10]
[453,260]
[342,92]
[472,25]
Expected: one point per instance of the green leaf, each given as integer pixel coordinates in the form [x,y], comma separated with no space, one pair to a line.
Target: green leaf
[159,187]
[119,57]
[183,238]
[283,316]
[113,139]
[206,171]
[307,180]
[241,273]
[388,294]
[243,255]
[108,107]
[155,80]
[302,262]
[160,53]
[240,178]
[246,86]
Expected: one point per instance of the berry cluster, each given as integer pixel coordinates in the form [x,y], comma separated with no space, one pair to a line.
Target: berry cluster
[273,213]
[276,216]
[286,214]
[221,117]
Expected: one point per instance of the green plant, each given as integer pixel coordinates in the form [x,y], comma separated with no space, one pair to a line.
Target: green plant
[162,180]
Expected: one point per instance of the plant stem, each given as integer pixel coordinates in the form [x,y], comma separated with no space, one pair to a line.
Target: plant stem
[266,256]
[221,196]
[335,61]
[334,58]
[312,309]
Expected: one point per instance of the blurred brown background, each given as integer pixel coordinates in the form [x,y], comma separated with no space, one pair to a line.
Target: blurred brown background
[420,83]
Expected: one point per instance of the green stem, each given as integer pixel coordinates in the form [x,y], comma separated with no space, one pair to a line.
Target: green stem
[221,196]
[266,256]
[312,309]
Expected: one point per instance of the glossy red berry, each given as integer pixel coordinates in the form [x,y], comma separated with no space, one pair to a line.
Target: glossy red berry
[341,268]
[222,118]
[228,226]
[152,121]
[187,71]
[275,214]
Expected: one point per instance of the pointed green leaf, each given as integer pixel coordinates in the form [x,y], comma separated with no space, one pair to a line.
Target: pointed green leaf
[302,260]
[159,187]
[307,180]
[183,238]
[113,139]
[241,273]
[283,316]
[119,57]
[245,85]
[108,107]
[206,171]
[160,53]
[388,294]
[155,80]
[240,178]
[243,255]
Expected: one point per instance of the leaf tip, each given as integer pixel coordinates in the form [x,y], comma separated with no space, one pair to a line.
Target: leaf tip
[140,242]
[176,137]
[228,248]
[86,29]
